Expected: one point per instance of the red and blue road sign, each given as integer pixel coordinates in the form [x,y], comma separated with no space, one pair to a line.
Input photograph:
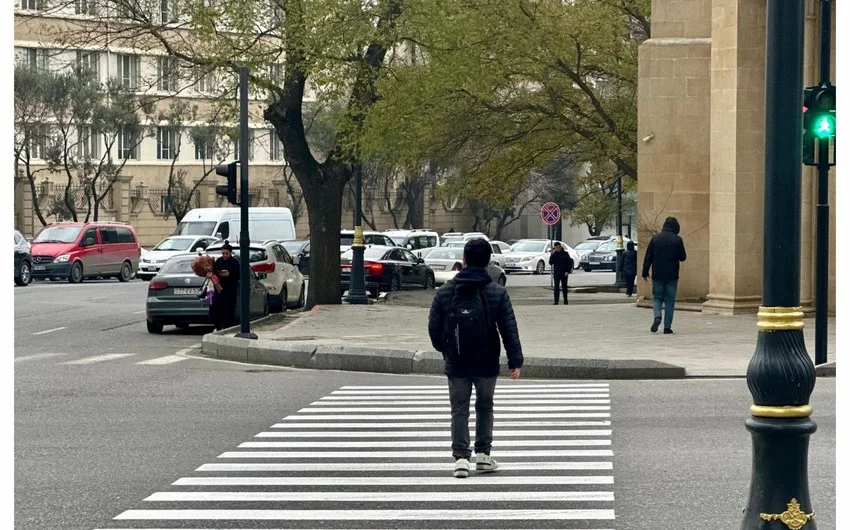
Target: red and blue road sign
[550,213]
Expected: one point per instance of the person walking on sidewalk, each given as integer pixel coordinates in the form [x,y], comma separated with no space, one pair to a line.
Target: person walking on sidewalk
[562,266]
[629,267]
[664,253]
[467,316]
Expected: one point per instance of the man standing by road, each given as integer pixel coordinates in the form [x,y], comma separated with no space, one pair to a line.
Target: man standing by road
[463,323]
[665,251]
[562,266]
[629,267]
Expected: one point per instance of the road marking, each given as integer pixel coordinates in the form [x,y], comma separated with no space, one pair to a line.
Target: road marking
[323,417]
[45,332]
[37,356]
[427,424]
[484,479]
[446,435]
[168,359]
[364,515]
[425,443]
[446,392]
[377,496]
[447,408]
[407,455]
[100,358]
[140,312]
[472,402]
[350,399]
[395,466]
[441,388]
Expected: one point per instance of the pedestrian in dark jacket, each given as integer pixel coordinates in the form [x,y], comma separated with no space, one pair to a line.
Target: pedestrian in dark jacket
[562,266]
[467,316]
[629,267]
[665,251]
[226,270]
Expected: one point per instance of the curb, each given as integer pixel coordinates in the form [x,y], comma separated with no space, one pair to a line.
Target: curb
[390,361]
[825,370]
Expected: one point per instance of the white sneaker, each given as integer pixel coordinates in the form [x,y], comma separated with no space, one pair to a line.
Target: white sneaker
[485,463]
[461,468]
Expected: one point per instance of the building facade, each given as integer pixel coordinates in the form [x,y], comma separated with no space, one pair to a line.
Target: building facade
[701,148]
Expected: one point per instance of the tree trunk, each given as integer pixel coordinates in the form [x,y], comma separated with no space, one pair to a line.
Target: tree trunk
[323,196]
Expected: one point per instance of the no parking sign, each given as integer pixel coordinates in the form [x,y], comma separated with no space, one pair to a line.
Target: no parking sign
[550,213]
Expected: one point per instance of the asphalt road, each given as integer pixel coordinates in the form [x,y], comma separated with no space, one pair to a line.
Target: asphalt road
[578,278]
[93,440]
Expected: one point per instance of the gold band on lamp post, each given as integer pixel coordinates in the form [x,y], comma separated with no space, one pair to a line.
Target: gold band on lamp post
[780,318]
[781,412]
[358,236]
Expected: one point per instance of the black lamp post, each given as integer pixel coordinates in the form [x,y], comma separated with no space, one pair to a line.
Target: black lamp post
[781,375]
[620,282]
[357,287]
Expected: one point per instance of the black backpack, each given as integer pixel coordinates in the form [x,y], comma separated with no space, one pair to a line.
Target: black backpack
[468,325]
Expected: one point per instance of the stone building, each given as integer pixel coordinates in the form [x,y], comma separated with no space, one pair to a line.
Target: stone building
[701,147]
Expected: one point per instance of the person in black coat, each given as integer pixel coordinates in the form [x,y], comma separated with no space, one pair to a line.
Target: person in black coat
[664,253]
[483,372]
[629,267]
[562,266]
[226,270]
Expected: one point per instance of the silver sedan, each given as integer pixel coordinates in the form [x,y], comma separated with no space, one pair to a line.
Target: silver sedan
[446,262]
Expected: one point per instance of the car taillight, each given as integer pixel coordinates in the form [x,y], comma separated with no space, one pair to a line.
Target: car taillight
[157,286]
[263,267]
[374,269]
[457,267]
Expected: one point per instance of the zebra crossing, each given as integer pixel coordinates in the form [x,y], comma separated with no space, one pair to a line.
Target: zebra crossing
[378,457]
[66,359]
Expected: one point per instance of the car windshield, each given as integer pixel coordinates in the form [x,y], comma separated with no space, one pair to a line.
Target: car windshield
[256,254]
[529,246]
[607,246]
[369,254]
[445,254]
[587,245]
[346,240]
[194,228]
[174,244]
[178,266]
[58,234]
[397,239]
[294,247]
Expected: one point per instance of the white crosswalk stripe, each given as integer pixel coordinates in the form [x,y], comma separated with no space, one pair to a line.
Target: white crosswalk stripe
[168,359]
[378,457]
[100,358]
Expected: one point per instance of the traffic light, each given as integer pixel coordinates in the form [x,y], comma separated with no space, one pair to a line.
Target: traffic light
[818,119]
[229,189]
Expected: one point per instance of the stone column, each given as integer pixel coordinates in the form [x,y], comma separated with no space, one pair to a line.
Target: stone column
[674,103]
[737,156]
[23,206]
[121,198]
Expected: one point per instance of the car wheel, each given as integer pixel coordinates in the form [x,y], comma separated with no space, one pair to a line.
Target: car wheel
[126,272]
[154,326]
[587,269]
[395,284]
[507,272]
[541,268]
[76,275]
[300,303]
[502,280]
[430,282]
[24,276]
[278,302]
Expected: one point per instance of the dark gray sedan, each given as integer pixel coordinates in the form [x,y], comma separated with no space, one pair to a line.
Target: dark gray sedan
[174,297]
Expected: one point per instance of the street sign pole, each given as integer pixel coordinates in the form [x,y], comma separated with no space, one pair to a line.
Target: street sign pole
[550,213]
[244,202]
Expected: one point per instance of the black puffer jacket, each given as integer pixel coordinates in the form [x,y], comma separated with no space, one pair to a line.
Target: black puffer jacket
[501,312]
[665,251]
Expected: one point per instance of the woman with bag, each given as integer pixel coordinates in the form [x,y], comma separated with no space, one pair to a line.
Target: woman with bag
[225,278]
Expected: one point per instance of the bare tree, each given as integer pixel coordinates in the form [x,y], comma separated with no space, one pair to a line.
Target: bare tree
[31,136]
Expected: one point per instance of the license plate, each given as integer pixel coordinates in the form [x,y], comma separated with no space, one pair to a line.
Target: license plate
[187,291]
[39,268]
[346,268]
[150,268]
[438,267]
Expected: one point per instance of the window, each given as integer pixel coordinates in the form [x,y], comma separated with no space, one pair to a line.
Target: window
[127,144]
[88,143]
[108,235]
[203,147]
[90,234]
[36,58]
[128,70]
[236,154]
[32,5]
[206,83]
[86,7]
[276,73]
[167,12]
[275,147]
[165,143]
[166,72]
[224,230]
[89,61]
[125,235]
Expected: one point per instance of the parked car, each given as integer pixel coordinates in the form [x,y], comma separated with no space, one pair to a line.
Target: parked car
[532,255]
[446,262]
[174,297]
[300,252]
[415,239]
[75,251]
[274,267]
[346,239]
[498,256]
[604,257]
[389,269]
[152,260]
[587,246]
[264,223]
[23,260]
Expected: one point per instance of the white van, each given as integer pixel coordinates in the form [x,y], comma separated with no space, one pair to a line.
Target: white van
[264,223]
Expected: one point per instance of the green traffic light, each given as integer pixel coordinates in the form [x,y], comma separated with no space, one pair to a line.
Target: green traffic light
[825,126]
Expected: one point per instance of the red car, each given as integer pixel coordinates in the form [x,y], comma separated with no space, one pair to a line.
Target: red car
[75,251]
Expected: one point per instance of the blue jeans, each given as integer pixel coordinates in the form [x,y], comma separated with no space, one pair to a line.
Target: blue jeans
[664,292]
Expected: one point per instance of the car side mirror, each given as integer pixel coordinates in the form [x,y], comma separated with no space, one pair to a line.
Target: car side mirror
[420,260]
[218,235]
[296,260]
[87,242]
[29,240]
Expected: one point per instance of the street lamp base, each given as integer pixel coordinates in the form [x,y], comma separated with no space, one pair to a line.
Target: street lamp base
[250,335]
[357,298]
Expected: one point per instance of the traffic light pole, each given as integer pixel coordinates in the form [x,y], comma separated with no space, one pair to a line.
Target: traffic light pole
[244,202]
[781,375]
[822,239]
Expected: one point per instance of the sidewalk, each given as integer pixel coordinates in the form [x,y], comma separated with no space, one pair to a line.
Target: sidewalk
[587,339]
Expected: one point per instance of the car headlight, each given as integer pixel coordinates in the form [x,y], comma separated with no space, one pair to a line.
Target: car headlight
[609,258]
[62,259]
[529,258]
